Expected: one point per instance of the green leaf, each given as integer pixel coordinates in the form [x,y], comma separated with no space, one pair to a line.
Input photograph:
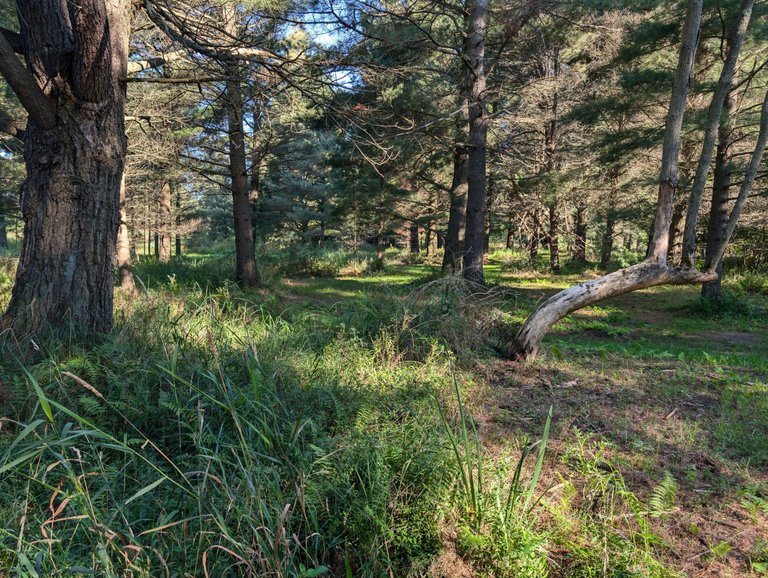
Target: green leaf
[144,490]
[41,396]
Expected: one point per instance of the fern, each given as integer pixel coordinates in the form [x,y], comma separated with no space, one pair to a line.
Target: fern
[662,500]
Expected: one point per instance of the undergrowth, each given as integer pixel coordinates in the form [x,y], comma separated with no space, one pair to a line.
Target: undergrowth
[219,432]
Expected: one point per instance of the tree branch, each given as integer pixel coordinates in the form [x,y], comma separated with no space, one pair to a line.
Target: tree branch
[14,40]
[8,125]
[40,108]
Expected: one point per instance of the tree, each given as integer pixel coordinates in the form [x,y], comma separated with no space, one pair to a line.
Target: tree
[74,149]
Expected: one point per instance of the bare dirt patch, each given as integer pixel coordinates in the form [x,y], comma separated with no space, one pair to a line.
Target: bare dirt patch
[656,421]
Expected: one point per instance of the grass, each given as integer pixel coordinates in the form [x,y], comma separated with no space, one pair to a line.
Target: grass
[363,424]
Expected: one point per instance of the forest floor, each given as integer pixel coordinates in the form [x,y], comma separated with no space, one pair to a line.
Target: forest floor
[641,386]
[191,436]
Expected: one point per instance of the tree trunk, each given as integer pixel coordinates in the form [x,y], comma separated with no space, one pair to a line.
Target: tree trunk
[645,274]
[3,233]
[474,238]
[380,248]
[606,246]
[164,222]
[414,238]
[488,212]
[535,236]
[457,213]
[71,197]
[722,91]
[653,270]
[718,213]
[554,234]
[675,253]
[178,222]
[580,244]
[246,271]
[510,236]
[123,249]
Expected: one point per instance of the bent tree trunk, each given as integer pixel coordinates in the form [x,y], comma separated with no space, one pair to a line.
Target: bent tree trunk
[74,152]
[640,276]
[654,269]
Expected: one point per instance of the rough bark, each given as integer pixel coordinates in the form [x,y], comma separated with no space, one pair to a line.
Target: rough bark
[474,237]
[452,256]
[70,201]
[653,270]
[3,232]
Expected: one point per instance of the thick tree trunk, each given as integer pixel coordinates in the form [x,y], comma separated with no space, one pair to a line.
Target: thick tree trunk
[164,222]
[474,238]
[510,236]
[3,233]
[580,244]
[70,200]
[452,256]
[654,270]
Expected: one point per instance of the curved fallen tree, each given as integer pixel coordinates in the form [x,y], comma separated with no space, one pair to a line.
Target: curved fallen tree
[654,270]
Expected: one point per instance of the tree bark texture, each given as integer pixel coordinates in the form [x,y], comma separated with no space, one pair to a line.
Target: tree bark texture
[474,237]
[70,200]
[454,241]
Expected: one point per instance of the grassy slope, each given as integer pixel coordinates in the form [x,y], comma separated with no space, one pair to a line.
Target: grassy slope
[320,394]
